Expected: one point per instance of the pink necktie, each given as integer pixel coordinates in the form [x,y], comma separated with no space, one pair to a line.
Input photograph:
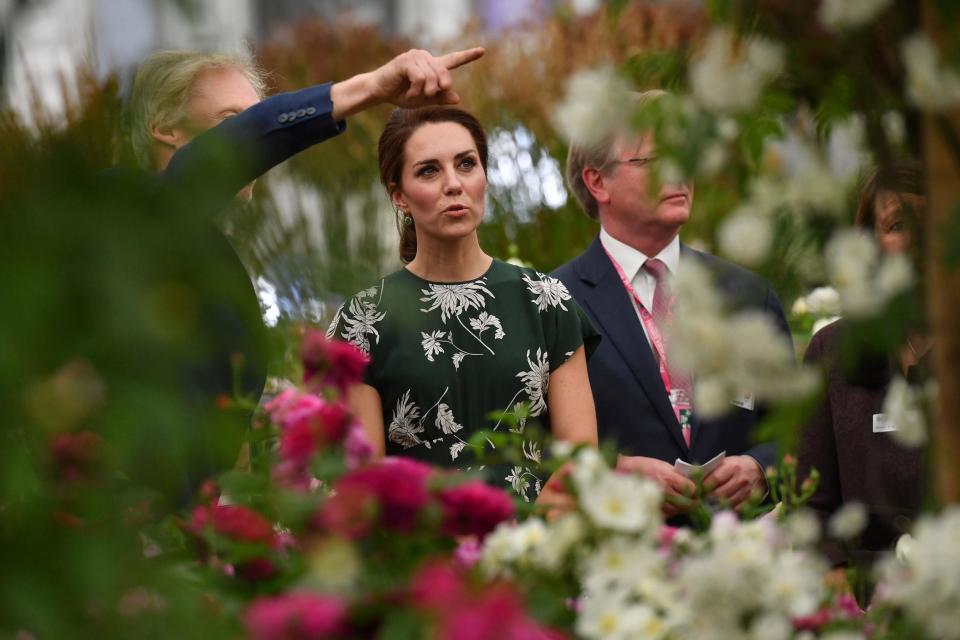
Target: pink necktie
[660,312]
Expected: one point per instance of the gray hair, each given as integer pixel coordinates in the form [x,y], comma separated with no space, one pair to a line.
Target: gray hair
[163,86]
[600,156]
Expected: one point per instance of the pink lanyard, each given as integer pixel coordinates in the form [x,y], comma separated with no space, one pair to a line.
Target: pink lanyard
[656,338]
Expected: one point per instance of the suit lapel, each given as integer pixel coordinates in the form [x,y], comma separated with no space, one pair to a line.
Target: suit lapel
[610,306]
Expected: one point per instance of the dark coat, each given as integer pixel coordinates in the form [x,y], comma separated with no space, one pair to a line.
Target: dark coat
[856,464]
[633,409]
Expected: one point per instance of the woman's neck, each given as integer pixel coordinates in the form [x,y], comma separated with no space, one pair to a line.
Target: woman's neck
[450,261]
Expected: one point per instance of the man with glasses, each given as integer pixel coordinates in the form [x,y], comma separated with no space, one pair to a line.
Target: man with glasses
[622,281]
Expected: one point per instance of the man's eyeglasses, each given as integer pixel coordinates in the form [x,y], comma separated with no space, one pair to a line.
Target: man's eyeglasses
[637,162]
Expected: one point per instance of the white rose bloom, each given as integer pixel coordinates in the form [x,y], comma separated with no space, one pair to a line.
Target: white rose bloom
[927,584]
[562,536]
[622,502]
[771,626]
[795,585]
[803,527]
[852,257]
[617,562]
[824,301]
[903,407]
[800,307]
[746,237]
[711,397]
[894,127]
[904,548]
[850,14]
[848,521]
[930,85]
[728,76]
[511,545]
[613,616]
[596,105]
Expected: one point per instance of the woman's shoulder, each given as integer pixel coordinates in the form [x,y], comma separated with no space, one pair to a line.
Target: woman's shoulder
[544,290]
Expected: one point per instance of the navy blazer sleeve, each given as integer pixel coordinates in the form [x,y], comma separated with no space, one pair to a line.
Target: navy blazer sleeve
[219,162]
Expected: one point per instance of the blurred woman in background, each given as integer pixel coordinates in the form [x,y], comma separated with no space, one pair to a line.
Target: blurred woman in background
[854,445]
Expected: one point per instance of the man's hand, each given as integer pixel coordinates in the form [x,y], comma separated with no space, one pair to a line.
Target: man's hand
[674,485]
[735,480]
[413,79]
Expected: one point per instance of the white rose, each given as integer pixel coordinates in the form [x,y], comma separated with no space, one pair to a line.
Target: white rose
[848,521]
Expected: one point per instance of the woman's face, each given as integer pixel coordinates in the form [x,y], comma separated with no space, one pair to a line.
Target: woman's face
[443,184]
[895,214]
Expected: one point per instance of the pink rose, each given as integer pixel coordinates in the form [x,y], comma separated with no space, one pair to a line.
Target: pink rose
[75,454]
[468,553]
[295,616]
[357,448]
[814,621]
[397,485]
[439,586]
[496,613]
[474,509]
[233,521]
[331,362]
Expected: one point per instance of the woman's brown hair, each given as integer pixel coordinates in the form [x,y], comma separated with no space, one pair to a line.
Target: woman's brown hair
[393,142]
[899,176]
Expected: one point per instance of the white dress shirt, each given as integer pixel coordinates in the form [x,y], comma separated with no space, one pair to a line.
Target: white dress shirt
[632,261]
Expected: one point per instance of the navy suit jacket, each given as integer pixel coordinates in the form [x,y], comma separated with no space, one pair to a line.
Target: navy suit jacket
[633,409]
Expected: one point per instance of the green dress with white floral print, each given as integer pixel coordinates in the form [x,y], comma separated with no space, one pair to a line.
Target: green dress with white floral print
[445,356]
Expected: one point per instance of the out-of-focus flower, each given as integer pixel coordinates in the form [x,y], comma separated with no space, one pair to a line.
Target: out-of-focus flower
[595,106]
[925,585]
[232,521]
[822,301]
[333,565]
[75,455]
[904,548]
[397,486]
[850,14]
[848,521]
[729,75]
[357,448]
[864,280]
[468,553]
[513,546]
[474,509]
[622,502]
[331,362]
[930,84]
[904,408]
[296,616]
[613,617]
[731,354]
[803,527]
[746,237]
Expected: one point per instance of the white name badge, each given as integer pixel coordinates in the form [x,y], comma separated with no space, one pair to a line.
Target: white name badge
[744,402]
[882,424]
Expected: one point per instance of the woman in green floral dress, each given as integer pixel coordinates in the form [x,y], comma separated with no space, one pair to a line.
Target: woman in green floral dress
[457,335]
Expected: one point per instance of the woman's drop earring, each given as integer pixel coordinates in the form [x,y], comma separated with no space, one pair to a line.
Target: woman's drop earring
[408,220]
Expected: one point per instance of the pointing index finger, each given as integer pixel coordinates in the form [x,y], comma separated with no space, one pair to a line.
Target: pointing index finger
[460,58]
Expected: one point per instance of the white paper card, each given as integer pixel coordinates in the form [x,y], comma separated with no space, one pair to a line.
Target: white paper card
[686,469]
[744,402]
[882,424]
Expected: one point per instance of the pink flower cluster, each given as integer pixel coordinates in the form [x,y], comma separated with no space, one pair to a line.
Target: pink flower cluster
[237,524]
[844,607]
[308,424]
[331,363]
[394,492]
[296,616]
[461,612]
